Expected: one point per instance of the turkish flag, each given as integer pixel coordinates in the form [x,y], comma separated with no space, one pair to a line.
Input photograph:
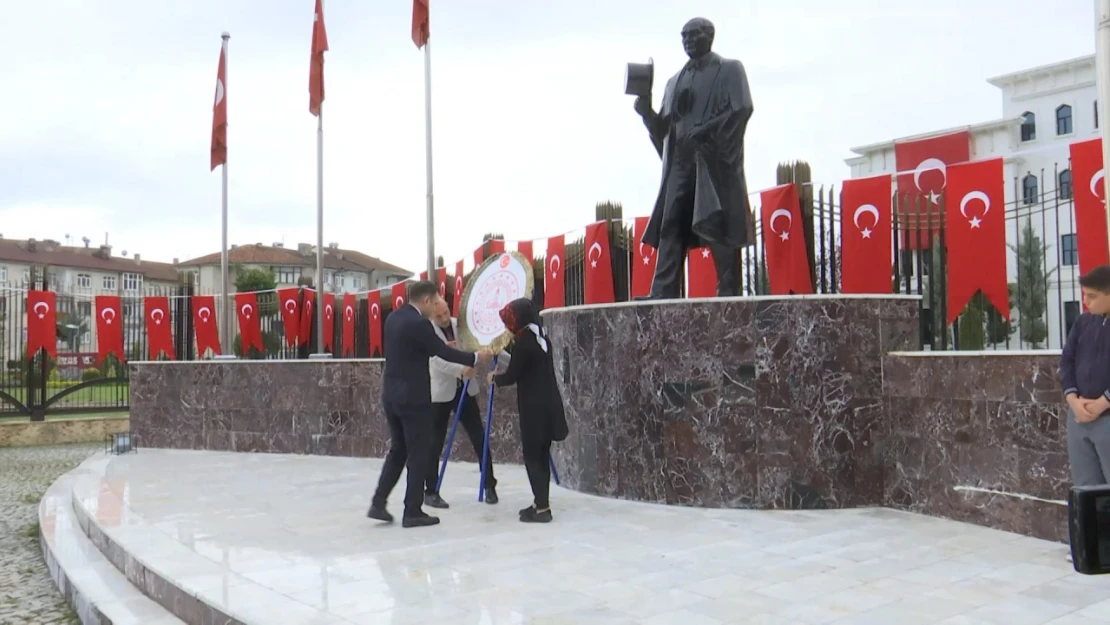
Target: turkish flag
[866,239]
[349,324]
[42,323]
[219,115]
[204,324]
[643,266]
[374,307]
[159,334]
[458,288]
[702,273]
[922,167]
[525,249]
[496,246]
[329,322]
[109,328]
[976,220]
[554,282]
[308,316]
[598,278]
[250,322]
[398,295]
[479,255]
[290,313]
[441,281]
[421,22]
[424,275]
[1089,193]
[316,67]
[784,241]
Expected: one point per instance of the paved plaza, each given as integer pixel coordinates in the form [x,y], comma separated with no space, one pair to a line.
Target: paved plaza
[27,595]
[284,539]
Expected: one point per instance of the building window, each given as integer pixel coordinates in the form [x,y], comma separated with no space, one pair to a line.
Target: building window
[130,310]
[1063,183]
[108,283]
[1069,251]
[1029,189]
[84,309]
[3,274]
[132,282]
[1028,126]
[26,276]
[286,275]
[84,281]
[1063,120]
[1071,313]
[1096,113]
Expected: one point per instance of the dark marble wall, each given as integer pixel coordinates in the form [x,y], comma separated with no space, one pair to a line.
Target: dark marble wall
[978,437]
[300,406]
[754,402]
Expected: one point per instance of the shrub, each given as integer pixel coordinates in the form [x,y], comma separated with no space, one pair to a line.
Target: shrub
[91,373]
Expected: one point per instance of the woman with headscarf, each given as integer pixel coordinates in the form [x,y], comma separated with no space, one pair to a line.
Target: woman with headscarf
[539,404]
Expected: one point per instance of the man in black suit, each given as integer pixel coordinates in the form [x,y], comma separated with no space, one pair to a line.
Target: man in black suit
[406,396]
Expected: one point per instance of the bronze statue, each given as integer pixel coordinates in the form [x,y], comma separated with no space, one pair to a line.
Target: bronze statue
[699,133]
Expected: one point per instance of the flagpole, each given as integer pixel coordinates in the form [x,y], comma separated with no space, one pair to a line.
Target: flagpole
[224,268]
[1102,80]
[320,353]
[428,154]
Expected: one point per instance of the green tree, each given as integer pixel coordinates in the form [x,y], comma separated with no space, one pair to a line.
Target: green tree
[257,279]
[271,344]
[1032,279]
[971,332]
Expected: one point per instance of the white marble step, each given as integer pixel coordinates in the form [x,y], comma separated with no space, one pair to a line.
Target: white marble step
[97,591]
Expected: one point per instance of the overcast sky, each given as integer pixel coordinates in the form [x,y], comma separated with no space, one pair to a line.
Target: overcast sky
[107,108]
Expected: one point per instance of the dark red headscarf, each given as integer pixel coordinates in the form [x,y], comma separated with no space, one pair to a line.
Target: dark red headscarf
[517,314]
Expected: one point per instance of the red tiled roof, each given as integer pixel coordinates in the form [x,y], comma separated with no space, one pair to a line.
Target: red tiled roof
[83,258]
[334,258]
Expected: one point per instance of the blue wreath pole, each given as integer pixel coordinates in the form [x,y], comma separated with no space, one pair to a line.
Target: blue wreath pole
[485,444]
[451,436]
[554,473]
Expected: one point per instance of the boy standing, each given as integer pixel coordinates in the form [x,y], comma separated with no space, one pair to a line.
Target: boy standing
[1085,376]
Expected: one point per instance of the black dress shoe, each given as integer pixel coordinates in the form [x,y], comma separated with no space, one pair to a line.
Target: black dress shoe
[433,500]
[423,520]
[379,513]
[527,510]
[491,496]
[532,516]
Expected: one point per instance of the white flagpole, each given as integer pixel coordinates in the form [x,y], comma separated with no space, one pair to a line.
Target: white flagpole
[320,353]
[224,268]
[1102,81]
[428,156]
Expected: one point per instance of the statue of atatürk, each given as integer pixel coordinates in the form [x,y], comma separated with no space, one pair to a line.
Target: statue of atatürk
[699,133]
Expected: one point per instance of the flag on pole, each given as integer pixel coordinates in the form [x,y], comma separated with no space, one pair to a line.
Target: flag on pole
[219,115]
[316,69]
[421,21]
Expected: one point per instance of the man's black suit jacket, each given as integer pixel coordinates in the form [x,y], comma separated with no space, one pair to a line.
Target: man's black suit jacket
[410,341]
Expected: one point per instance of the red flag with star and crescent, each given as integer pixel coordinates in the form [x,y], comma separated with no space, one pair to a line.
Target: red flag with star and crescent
[554,281]
[204,324]
[250,322]
[290,301]
[441,281]
[784,241]
[308,316]
[1089,193]
[219,115]
[923,174]
[316,67]
[976,236]
[701,279]
[159,334]
[643,265]
[459,279]
[421,23]
[398,295]
[329,322]
[109,327]
[42,323]
[597,282]
[349,307]
[866,235]
[525,249]
[374,312]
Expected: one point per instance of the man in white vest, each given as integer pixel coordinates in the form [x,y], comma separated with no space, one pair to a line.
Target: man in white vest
[447,384]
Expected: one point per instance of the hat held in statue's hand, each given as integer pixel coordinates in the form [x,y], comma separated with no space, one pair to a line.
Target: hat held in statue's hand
[639,78]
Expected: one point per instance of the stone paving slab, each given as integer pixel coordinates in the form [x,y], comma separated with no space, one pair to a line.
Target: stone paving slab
[27,594]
